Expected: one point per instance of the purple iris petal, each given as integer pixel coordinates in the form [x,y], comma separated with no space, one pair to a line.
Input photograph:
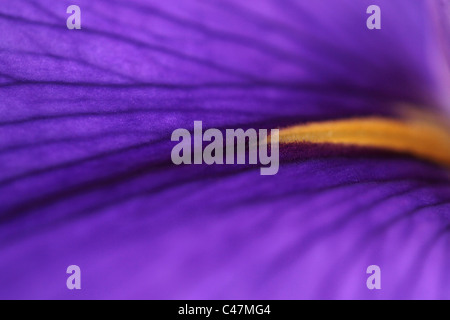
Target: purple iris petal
[86,176]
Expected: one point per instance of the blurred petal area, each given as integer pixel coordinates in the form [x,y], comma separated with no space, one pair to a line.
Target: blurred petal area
[86,177]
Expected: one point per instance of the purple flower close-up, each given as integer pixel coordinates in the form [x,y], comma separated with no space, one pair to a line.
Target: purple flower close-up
[86,176]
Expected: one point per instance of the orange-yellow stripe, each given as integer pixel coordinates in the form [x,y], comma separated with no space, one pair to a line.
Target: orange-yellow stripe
[425,139]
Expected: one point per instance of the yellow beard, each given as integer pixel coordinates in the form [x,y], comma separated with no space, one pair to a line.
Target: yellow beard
[422,135]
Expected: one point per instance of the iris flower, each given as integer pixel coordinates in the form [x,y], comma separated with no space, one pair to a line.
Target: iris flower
[86,177]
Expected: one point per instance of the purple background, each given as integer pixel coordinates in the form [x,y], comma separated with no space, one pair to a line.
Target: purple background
[85,170]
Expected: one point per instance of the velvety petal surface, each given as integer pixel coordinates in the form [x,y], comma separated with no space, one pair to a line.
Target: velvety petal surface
[86,176]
